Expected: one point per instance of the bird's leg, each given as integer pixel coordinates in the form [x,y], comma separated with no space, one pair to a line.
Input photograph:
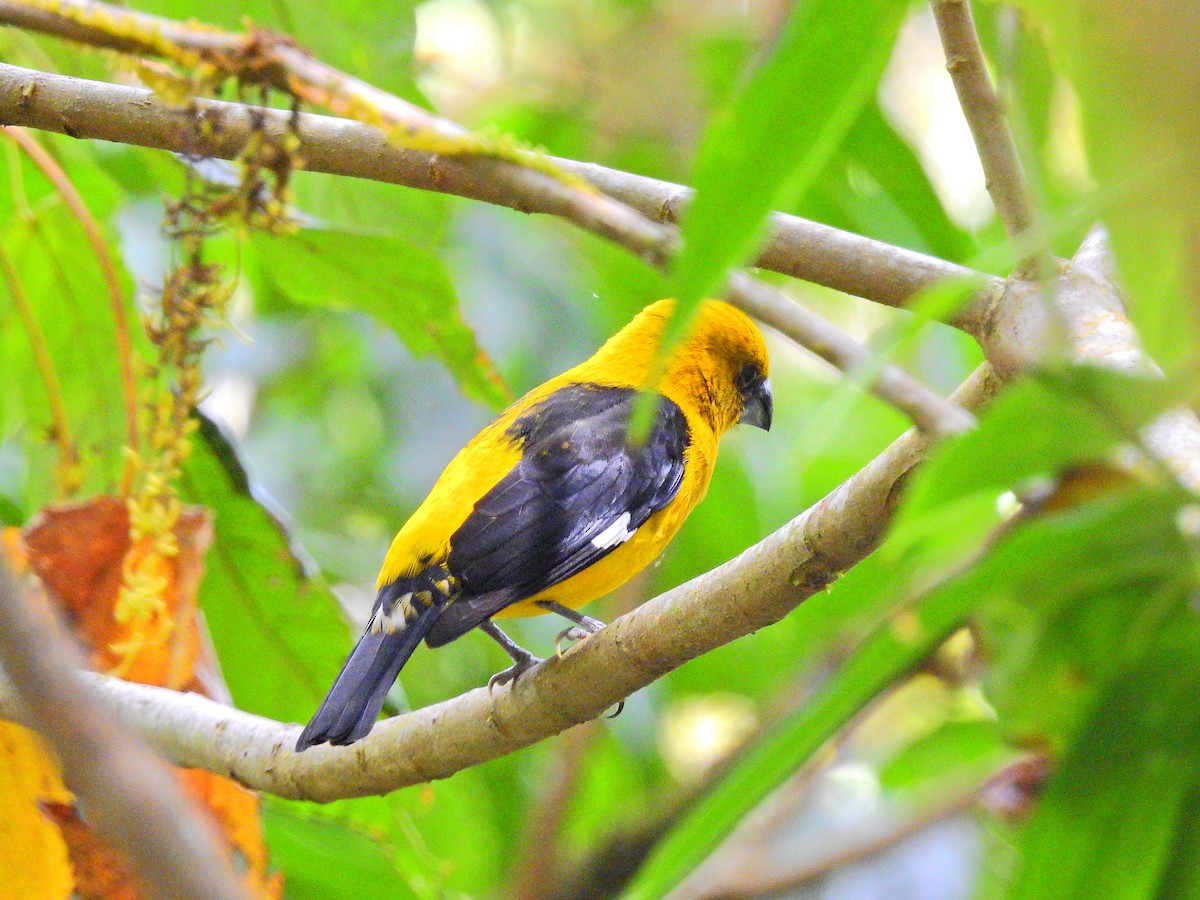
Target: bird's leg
[522,659]
[584,627]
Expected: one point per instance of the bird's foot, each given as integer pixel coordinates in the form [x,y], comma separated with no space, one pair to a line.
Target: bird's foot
[575,633]
[513,672]
[584,627]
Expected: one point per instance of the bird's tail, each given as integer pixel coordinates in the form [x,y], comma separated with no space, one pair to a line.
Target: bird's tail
[349,710]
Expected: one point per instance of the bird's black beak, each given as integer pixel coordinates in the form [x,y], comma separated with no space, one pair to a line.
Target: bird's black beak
[758,403]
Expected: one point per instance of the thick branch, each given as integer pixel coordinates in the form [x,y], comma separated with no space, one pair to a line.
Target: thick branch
[985,116]
[757,588]
[96,110]
[802,249]
[131,796]
[90,109]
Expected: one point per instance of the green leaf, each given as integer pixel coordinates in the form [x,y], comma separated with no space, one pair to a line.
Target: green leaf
[1081,413]
[766,148]
[68,299]
[1133,69]
[278,631]
[964,748]
[326,860]
[1105,827]
[402,285]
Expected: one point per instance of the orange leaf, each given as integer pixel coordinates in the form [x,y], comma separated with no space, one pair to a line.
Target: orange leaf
[81,552]
[33,857]
[150,634]
[100,872]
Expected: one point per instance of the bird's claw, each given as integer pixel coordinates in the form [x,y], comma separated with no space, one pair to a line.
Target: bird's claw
[572,634]
[513,672]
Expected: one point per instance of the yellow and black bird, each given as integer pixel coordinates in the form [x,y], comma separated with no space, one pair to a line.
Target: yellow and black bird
[551,506]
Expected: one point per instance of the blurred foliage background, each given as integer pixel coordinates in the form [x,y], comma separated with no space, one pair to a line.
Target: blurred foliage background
[357,360]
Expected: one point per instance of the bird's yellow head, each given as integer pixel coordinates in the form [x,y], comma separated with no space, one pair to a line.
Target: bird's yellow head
[718,370]
[722,366]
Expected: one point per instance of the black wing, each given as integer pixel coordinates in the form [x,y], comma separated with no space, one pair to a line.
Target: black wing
[578,493]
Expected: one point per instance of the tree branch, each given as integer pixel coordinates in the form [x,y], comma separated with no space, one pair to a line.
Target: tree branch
[90,109]
[810,251]
[802,249]
[1024,328]
[756,878]
[131,796]
[759,587]
[96,110]
[263,57]
[756,589]
[985,116]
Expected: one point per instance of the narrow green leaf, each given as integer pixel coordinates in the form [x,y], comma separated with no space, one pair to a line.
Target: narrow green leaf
[278,631]
[968,748]
[403,285]
[766,148]
[1106,825]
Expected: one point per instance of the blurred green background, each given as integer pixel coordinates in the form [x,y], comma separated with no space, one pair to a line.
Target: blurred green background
[875,725]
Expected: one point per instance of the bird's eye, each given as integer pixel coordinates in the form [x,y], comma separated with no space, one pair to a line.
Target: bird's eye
[747,376]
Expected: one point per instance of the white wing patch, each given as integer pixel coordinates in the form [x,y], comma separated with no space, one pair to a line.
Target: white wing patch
[614,534]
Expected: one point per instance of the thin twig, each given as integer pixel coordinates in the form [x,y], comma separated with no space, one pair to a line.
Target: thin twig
[984,112]
[132,797]
[759,587]
[220,129]
[91,228]
[985,116]
[885,380]
[759,883]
